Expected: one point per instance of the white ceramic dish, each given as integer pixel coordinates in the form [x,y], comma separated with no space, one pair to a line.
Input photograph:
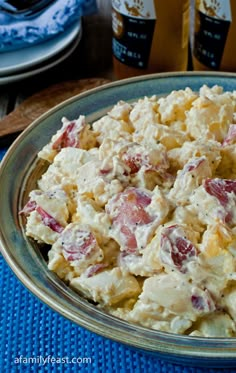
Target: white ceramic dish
[15,62]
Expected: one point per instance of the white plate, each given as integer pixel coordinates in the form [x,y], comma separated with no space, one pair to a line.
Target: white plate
[23,59]
[45,66]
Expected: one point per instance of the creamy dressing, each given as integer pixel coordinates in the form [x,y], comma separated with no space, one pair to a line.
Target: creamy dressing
[139,208]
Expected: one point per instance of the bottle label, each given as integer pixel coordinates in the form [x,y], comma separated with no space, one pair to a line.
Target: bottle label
[133,23]
[212,22]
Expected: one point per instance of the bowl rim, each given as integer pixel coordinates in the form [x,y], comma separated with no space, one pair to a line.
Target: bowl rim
[165,344]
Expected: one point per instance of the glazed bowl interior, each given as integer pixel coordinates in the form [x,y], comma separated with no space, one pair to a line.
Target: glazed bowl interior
[18,174]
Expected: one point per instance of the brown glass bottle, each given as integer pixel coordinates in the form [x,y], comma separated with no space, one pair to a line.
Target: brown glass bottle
[149,36]
[214,46]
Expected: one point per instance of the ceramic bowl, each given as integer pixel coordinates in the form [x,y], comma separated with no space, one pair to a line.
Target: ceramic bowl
[18,174]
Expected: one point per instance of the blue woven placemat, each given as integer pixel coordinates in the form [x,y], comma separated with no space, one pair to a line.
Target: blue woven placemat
[34,338]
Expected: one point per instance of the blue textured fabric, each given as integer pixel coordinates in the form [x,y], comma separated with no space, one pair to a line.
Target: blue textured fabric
[35,338]
[30,331]
[2,152]
[18,33]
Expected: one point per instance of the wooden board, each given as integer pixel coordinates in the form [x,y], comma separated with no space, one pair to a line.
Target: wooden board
[39,103]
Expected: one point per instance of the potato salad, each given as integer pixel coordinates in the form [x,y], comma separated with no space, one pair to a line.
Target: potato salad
[139,210]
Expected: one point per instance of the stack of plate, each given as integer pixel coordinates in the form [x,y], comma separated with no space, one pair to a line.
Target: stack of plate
[25,62]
